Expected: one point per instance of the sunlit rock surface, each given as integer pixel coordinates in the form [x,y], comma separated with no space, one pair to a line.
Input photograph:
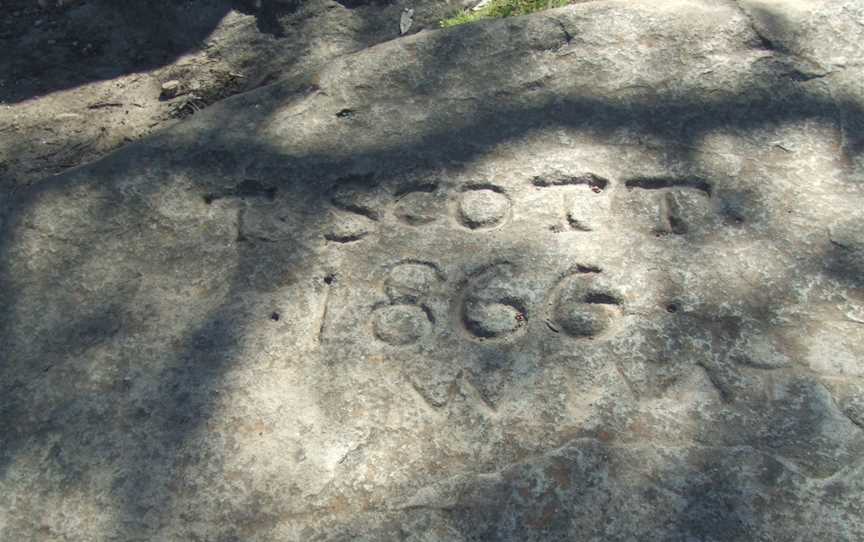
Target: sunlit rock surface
[592,274]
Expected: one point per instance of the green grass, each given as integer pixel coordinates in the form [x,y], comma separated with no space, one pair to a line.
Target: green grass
[502,8]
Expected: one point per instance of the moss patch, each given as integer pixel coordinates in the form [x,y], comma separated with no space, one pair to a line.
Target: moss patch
[502,8]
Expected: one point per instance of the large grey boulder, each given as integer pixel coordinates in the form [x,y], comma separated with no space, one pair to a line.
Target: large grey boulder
[592,274]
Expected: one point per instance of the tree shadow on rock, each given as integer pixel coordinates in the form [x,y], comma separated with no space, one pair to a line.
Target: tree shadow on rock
[147,418]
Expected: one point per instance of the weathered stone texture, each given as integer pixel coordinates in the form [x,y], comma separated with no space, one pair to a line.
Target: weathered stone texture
[592,274]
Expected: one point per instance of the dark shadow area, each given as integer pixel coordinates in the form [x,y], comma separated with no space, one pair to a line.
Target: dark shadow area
[160,404]
[93,40]
[267,15]
[57,48]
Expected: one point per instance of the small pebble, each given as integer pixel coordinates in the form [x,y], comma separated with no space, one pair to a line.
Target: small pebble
[171,88]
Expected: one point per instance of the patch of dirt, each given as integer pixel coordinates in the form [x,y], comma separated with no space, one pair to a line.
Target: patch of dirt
[80,78]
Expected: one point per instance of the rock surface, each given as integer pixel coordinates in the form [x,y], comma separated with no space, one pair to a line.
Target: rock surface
[591,274]
[80,79]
